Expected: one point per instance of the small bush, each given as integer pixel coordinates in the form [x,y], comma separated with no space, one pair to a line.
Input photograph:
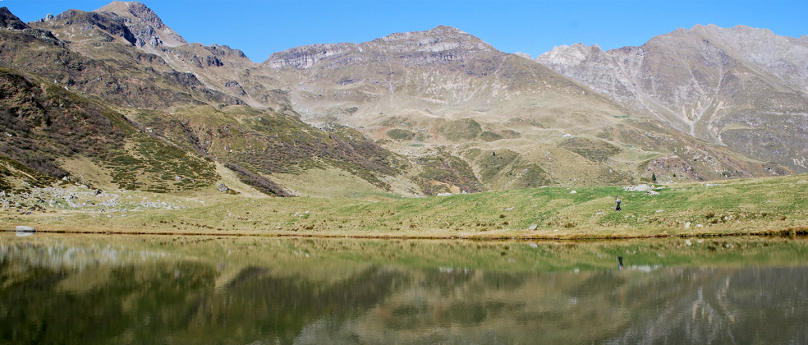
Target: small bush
[400,134]
[490,136]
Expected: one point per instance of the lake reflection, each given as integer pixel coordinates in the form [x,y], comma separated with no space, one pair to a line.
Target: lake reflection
[194,290]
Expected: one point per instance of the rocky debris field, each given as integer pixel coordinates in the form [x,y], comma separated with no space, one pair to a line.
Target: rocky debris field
[82,198]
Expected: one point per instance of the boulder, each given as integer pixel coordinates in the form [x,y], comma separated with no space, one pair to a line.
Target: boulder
[23,228]
[222,188]
[640,188]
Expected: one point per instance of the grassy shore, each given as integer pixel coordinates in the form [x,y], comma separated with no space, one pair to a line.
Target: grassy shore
[774,205]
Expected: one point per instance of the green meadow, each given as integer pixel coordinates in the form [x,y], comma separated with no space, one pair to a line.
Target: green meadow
[734,207]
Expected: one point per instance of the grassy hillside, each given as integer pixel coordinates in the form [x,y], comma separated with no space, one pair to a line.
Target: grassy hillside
[267,143]
[55,132]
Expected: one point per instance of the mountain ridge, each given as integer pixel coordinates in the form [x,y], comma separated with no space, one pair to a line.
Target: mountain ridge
[413,113]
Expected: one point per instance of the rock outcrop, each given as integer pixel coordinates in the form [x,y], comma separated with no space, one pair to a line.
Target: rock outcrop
[87,21]
[9,20]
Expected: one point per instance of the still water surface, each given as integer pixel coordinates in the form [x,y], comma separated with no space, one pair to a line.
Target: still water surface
[193,290]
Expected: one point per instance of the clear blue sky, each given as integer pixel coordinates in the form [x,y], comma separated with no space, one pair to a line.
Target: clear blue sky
[260,28]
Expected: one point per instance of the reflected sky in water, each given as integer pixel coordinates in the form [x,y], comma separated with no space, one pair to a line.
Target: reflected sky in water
[181,290]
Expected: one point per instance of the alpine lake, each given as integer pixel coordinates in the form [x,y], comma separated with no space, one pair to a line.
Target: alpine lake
[149,289]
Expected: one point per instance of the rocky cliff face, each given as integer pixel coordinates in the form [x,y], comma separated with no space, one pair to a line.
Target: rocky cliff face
[741,87]
[307,56]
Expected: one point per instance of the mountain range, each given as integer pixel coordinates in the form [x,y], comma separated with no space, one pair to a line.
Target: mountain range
[114,98]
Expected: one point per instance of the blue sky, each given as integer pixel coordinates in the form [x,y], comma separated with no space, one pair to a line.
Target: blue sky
[260,28]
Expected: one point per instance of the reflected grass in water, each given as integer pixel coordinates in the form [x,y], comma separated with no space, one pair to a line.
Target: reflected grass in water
[139,289]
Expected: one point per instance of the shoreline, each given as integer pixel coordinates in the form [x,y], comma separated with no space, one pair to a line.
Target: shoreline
[800,231]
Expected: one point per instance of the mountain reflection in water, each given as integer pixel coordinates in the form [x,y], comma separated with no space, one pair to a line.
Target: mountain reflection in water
[179,290]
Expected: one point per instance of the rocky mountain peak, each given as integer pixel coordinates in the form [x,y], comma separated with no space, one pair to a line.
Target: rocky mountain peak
[568,55]
[440,39]
[147,27]
[437,32]
[448,42]
[10,21]
[134,9]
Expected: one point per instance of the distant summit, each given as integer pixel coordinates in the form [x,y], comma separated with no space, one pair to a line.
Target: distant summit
[441,38]
[420,47]
[147,27]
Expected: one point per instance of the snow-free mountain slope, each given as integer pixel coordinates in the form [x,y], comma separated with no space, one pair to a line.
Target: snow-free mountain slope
[742,87]
[411,113]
